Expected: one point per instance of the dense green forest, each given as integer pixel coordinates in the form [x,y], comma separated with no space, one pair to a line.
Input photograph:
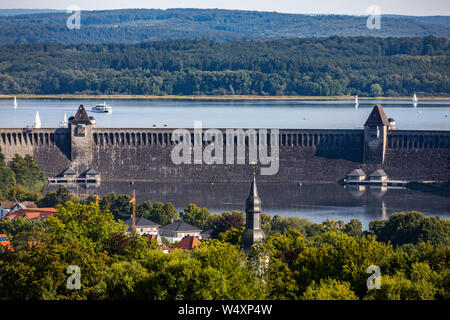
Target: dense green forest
[15,12]
[298,259]
[21,178]
[315,67]
[327,261]
[136,25]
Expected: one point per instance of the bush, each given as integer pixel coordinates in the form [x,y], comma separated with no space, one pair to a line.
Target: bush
[411,227]
[329,289]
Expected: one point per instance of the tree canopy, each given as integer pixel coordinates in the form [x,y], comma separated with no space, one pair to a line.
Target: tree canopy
[299,260]
[135,25]
[331,66]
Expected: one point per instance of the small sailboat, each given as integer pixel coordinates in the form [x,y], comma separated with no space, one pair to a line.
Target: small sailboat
[15,103]
[356,101]
[37,121]
[414,98]
[64,122]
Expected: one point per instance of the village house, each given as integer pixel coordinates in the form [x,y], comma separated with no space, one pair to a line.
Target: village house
[5,242]
[161,245]
[188,244]
[205,234]
[143,226]
[7,207]
[177,230]
[32,213]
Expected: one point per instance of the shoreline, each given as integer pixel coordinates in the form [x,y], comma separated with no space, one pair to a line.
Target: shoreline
[206,97]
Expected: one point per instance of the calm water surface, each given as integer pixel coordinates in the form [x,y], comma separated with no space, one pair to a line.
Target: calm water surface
[315,202]
[434,115]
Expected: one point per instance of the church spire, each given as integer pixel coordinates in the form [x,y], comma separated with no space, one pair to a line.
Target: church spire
[253,209]
[253,203]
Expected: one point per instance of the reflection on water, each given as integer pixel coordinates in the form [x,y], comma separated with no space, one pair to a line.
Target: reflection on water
[316,202]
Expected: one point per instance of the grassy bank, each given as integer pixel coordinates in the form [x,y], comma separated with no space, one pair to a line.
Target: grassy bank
[207,97]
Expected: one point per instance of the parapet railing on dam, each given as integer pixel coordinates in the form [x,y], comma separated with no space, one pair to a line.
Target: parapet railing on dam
[409,139]
[45,136]
[287,137]
[403,139]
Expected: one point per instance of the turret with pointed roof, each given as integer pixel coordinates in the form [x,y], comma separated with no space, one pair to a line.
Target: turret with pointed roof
[375,136]
[253,209]
[81,136]
[81,117]
[377,117]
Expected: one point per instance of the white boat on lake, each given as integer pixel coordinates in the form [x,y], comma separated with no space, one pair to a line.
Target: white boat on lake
[64,123]
[37,121]
[102,108]
[414,98]
[15,102]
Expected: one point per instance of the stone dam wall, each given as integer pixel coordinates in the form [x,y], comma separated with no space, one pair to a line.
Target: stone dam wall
[305,155]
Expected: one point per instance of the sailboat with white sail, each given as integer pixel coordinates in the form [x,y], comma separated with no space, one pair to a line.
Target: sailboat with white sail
[64,123]
[15,103]
[356,101]
[37,121]
[414,100]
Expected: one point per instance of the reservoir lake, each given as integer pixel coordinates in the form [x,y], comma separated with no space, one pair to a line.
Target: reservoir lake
[316,202]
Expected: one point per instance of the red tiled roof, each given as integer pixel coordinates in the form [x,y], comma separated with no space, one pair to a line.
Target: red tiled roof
[32,213]
[3,239]
[8,204]
[11,204]
[154,236]
[28,204]
[4,242]
[188,243]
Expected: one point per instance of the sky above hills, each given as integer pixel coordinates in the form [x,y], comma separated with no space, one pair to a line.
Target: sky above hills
[352,7]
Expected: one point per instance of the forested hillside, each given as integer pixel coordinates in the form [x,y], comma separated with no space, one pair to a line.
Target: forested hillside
[314,66]
[136,25]
[15,12]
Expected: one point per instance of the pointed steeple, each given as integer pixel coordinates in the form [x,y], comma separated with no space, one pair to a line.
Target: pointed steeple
[81,117]
[253,203]
[375,136]
[253,209]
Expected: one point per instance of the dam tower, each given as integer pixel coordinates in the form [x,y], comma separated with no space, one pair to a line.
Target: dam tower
[375,136]
[81,140]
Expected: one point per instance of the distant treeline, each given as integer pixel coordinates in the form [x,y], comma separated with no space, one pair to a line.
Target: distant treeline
[314,67]
[136,25]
